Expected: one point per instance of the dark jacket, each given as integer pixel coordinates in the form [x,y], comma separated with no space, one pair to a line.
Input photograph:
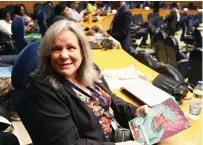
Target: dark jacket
[172,20]
[121,27]
[59,117]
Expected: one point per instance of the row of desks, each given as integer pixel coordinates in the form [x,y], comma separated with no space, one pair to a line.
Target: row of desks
[105,22]
[117,58]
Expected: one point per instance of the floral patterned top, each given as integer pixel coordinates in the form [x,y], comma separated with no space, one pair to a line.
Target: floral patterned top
[102,116]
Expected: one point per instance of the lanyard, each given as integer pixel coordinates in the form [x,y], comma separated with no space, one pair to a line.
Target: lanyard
[101,102]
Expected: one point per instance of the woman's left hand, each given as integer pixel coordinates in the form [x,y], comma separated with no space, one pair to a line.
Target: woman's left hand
[142,110]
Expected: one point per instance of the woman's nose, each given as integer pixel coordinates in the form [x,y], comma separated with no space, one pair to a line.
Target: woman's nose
[64,54]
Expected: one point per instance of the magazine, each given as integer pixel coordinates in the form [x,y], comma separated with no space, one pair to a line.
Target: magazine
[162,121]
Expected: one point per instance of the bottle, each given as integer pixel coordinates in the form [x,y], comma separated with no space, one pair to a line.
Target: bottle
[196,102]
[109,9]
[89,18]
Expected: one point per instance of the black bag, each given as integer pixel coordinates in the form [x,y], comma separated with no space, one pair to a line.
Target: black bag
[122,135]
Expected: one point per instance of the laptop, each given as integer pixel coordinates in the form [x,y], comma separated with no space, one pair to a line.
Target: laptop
[145,92]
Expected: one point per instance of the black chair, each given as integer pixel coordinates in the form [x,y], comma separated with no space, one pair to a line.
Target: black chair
[197,38]
[188,40]
[147,60]
[176,58]
[170,71]
[160,51]
[8,59]
[195,66]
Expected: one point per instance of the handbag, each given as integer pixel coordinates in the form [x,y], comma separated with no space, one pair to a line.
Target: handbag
[122,135]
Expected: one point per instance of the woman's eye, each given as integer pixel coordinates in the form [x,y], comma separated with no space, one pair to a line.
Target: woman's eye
[56,49]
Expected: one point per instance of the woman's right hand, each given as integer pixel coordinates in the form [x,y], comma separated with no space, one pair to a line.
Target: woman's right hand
[128,143]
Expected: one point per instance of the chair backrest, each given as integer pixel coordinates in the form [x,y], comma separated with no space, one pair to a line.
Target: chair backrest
[183,21]
[48,10]
[25,63]
[170,71]
[196,66]
[160,50]
[147,60]
[41,20]
[138,19]
[197,38]
[18,31]
[172,51]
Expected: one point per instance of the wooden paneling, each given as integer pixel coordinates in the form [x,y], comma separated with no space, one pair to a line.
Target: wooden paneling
[28,4]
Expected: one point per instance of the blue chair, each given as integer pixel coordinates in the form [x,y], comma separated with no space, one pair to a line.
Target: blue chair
[163,5]
[18,30]
[41,21]
[176,58]
[25,63]
[188,40]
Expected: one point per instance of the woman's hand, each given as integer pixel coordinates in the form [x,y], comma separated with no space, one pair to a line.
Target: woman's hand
[142,110]
[128,143]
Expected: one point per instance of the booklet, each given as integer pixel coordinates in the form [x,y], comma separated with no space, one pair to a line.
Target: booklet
[162,121]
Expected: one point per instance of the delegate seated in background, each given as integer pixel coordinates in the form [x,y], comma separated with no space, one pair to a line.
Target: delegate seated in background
[120,26]
[74,15]
[62,98]
[171,20]
[19,11]
[61,11]
[92,8]
[5,21]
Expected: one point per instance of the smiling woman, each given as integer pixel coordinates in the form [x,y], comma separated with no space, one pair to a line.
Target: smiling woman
[67,100]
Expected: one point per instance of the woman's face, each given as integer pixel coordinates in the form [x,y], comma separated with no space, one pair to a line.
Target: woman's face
[22,11]
[66,12]
[75,5]
[66,55]
[8,17]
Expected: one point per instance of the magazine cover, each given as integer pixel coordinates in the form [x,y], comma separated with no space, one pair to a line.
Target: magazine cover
[162,121]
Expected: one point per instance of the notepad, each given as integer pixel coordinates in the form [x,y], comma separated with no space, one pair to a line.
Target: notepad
[5,71]
[146,92]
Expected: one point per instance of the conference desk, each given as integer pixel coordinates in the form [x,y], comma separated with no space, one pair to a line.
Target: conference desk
[118,58]
[105,22]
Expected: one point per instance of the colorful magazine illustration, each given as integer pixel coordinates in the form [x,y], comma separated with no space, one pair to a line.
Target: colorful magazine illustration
[162,121]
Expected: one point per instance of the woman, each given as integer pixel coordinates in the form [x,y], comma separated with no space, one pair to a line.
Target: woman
[74,15]
[19,11]
[62,101]
[61,11]
[5,22]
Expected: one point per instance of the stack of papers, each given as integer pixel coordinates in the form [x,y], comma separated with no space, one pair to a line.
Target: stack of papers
[116,78]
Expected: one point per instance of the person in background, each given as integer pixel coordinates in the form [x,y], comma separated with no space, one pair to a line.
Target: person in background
[19,11]
[74,15]
[120,26]
[92,8]
[61,11]
[67,100]
[177,8]
[5,21]
[171,20]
